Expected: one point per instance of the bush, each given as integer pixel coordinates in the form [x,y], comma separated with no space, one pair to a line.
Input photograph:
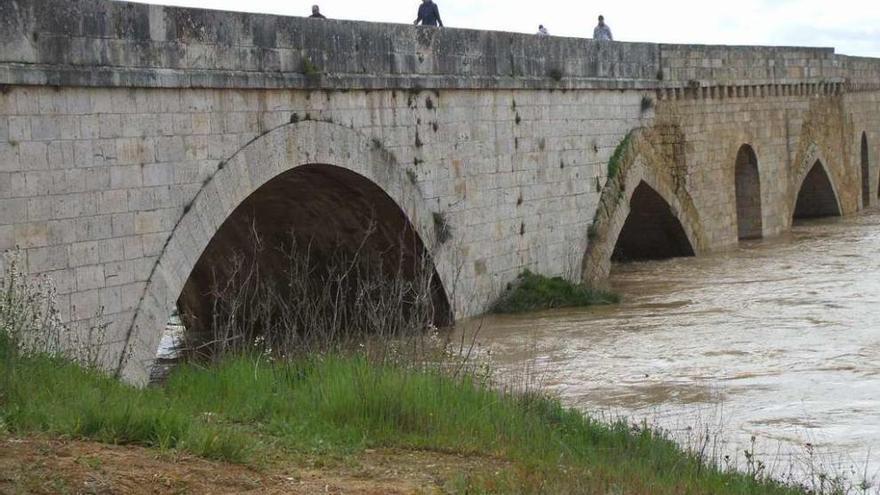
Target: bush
[531,292]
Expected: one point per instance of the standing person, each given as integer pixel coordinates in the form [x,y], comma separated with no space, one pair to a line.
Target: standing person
[429,14]
[316,13]
[602,31]
[542,31]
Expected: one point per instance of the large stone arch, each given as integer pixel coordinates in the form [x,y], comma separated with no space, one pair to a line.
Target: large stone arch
[642,166]
[816,191]
[747,191]
[651,230]
[290,147]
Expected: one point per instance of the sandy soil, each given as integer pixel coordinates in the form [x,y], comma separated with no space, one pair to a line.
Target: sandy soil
[50,466]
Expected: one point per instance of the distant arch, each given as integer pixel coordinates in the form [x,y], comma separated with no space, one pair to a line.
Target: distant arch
[341,177]
[817,196]
[651,230]
[644,212]
[747,183]
[866,172]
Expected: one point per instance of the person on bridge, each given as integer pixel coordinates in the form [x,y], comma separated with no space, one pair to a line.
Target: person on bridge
[542,31]
[316,13]
[429,14]
[602,31]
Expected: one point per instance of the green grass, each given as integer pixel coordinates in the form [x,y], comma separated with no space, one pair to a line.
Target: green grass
[532,292]
[56,396]
[246,408]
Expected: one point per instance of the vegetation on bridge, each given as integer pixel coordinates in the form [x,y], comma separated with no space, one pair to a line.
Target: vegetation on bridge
[615,161]
[533,292]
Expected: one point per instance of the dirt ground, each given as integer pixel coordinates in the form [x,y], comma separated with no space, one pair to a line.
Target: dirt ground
[51,466]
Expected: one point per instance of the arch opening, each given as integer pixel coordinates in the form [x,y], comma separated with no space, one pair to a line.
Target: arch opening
[651,231]
[866,173]
[319,255]
[816,198]
[748,195]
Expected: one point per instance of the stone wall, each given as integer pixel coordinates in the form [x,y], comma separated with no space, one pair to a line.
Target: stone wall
[782,130]
[128,131]
[94,180]
[755,65]
[111,43]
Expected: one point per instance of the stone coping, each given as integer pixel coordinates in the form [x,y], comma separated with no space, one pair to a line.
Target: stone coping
[120,44]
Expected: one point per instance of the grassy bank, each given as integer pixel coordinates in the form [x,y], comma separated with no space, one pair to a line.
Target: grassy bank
[246,410]
[532,292]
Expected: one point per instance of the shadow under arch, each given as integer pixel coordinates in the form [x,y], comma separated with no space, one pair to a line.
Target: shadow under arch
[284,173]
[747,184]
[646,190]
[651,230]
[296,226]
[817,196]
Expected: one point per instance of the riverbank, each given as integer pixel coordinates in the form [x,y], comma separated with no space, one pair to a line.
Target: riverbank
[775,340]
[46,465]
[330,414]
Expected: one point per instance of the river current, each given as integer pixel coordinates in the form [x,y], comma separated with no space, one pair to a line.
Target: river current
[778,340]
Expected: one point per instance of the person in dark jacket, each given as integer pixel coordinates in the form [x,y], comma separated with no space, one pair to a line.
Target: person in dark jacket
[429,15]
[316,13]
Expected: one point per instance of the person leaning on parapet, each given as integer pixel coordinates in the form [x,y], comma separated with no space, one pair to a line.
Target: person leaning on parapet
[429,14]
[602,31]
[316,13]
[542,31]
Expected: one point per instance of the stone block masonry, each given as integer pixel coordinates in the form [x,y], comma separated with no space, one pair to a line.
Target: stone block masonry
[128,134]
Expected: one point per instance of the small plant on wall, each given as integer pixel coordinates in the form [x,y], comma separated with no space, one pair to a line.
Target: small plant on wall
[647,103]
[442,230]
[309,69]
[615,161]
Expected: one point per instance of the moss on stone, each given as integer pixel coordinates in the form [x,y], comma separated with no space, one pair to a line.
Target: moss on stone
[616,157]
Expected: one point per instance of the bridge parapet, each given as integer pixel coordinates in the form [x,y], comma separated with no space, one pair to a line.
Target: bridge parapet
[119,44]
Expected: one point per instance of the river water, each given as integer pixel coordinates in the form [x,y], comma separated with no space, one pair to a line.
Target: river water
[778,340]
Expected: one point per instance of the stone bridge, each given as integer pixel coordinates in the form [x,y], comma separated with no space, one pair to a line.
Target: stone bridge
[135,140]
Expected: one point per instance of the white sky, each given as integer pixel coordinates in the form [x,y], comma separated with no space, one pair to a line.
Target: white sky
[850,26]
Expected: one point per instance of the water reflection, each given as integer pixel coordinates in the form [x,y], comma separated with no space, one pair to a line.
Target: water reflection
[778,339]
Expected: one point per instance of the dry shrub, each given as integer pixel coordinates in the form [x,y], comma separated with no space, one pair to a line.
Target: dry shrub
[32,324]
[386,305]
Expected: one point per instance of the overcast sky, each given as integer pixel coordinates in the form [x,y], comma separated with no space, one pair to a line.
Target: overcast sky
[850,26]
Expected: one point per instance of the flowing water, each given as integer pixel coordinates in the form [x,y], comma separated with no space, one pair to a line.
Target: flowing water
[778,340]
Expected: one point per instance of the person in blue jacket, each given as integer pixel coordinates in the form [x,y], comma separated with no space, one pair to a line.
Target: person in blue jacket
[602,31]
[429,14]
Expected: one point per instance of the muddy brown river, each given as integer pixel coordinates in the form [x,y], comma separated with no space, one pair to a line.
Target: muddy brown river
[778,340]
